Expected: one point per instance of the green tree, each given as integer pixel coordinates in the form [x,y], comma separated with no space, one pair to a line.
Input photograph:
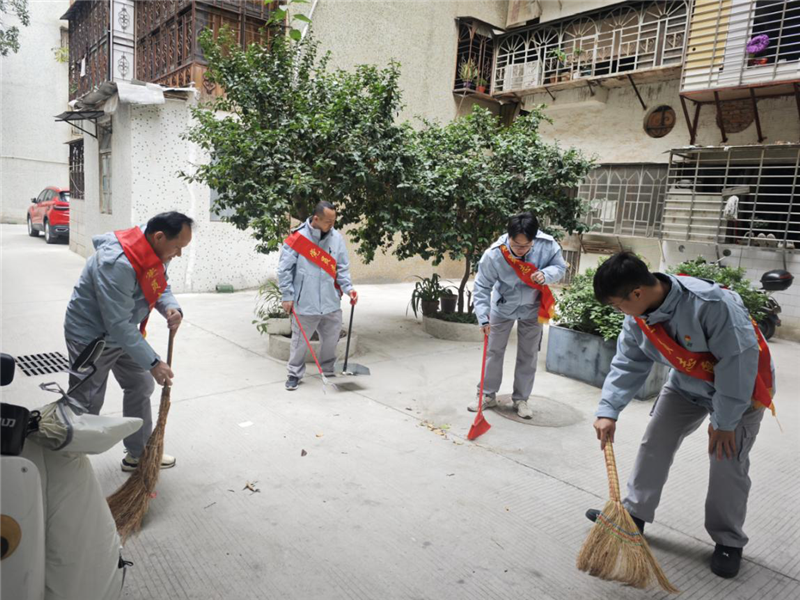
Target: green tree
[469,176]
[290,132]
[9,36]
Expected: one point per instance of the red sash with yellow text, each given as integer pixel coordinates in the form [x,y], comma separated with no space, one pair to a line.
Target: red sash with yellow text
[313,253]
[150,272]
[525,271]
[700,365]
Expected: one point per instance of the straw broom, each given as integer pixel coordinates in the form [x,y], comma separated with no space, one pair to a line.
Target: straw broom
[130,502]
[615,549]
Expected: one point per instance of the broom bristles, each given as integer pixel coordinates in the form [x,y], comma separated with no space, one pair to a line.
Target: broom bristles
[129,504]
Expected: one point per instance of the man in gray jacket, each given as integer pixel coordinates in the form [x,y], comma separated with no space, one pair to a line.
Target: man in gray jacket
[121,283]
[721,369]
[502,298]
[313,273]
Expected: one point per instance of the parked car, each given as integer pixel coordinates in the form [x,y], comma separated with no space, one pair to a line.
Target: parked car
[49,212]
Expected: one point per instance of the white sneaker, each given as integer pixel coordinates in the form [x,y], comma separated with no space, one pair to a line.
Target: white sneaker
[129,463]
[523,410]
[488,402]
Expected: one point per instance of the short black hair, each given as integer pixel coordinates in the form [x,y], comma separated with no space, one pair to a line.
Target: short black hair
[620,275]
[319,209]
[525,223]
[171,223]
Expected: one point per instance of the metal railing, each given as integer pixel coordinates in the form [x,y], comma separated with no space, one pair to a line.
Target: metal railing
[734,195]
[741,42]
[625,40]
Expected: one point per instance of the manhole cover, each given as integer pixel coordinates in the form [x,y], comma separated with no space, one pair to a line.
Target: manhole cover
[42,364]
[546,412]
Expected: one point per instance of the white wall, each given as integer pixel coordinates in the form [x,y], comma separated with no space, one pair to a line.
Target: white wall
[33,89]
[559,9]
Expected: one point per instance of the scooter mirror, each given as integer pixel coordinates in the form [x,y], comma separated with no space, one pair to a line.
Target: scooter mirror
[90,354]
[7,368]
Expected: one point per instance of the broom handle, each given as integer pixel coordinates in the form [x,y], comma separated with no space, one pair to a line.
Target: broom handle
[613,477]
[172,333]
[483,373]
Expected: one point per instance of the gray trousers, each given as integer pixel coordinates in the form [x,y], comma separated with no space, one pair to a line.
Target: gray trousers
[329,327]
[673,418]
[137,386]
[529,342]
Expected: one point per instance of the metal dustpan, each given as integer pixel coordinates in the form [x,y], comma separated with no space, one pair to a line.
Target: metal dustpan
[350,368]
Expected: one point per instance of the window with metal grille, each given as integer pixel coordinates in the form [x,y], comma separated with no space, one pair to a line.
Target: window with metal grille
[624,199]
[734,195]
[779,20]
[76,187]
[474,57]
[573,260]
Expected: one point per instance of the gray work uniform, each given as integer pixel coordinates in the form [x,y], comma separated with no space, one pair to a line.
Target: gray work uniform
[316,300]
[701,317]
[501,299]
[108,302]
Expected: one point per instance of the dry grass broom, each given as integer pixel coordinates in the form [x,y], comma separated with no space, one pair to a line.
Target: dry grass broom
[615,549]
[130,502]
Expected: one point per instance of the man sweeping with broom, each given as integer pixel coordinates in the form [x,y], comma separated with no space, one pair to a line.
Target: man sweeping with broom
[122,282]
[313,274]
[721,367]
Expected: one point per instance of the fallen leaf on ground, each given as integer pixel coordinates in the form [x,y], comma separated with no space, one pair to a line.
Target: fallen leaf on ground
[303,453]
[251,486]
[320,434]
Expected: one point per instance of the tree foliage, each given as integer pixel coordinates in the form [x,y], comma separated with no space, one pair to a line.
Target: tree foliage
[290,132]
[9,36]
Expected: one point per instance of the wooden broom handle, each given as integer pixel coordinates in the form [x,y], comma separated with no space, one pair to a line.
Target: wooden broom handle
[172,333]
[613,477]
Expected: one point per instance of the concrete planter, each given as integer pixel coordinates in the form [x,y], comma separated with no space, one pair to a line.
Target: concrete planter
[279,326]
[455,332]
[278,347]
[587,358]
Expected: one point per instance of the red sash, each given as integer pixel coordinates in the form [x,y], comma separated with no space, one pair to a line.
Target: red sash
[525,271]
[700,365]
[310,251]
[149,269]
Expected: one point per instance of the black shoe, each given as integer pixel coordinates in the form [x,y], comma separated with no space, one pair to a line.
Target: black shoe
[726,561]
[292,383]
[593,513]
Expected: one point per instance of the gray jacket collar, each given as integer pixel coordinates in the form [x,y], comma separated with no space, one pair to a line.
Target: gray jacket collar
[667,309]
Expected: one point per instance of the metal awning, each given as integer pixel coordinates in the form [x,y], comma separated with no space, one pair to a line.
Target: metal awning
[73,116]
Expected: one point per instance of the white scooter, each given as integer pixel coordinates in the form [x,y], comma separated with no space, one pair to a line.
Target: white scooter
[59,540]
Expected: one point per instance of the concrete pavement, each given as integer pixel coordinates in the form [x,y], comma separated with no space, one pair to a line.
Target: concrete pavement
[381,505]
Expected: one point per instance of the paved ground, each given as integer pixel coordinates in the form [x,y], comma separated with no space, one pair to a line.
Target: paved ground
[381,506]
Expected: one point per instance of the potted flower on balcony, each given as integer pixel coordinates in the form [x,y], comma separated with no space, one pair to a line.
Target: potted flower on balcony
[469,73]
[561,63]
[580,70]
[756,46]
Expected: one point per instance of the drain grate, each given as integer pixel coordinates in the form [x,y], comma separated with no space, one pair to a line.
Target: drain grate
[42,364]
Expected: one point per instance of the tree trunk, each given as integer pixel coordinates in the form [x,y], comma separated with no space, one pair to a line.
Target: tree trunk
[462,288]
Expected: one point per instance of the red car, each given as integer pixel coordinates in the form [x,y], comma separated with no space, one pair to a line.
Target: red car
[49,212]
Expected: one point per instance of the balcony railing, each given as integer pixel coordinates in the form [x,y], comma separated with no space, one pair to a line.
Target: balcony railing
[742,43]
[625,40]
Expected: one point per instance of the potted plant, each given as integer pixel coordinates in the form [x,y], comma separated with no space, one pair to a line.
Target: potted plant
[449,299]
[426,294]
[583,342]
[577,73]
[468,72]
[482,83]
[270,318]
[756,46]
[561,61]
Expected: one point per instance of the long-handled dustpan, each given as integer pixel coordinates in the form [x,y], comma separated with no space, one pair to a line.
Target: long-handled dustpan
[350,368]
[325,382]
[480,425]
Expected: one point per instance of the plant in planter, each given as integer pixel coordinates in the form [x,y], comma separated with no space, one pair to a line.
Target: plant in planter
[729,277]
[482,83]
[757,45]
[578,309]
[449,299]
[270,316]
[426,294]
[578,69]
[469,73]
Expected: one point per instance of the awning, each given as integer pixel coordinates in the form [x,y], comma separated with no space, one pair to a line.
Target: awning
[73,116]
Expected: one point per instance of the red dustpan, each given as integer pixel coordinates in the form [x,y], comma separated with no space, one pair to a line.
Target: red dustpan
[480,425]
